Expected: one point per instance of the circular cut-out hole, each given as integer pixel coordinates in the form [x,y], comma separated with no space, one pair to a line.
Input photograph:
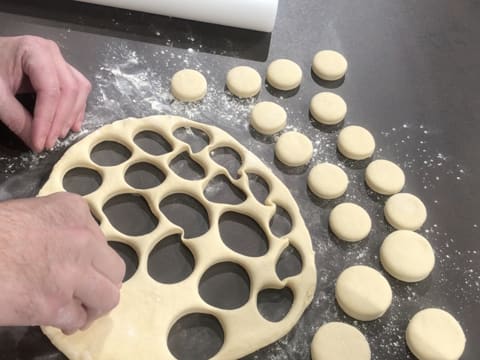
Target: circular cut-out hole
[170,261]
[281,222]
[274,304]
[186,212]
[144,176]
[221,190]
[82,181]
[289,264]
[152,143]
[196,138]
[184,166]
[259,187]
[229,159]
[195,337]
[130,214]
[128,255]
[109,153]
[225,286]
[242,234]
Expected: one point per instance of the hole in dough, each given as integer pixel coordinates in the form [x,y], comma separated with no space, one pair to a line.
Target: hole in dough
[152,143]
[110,153]
[195,138]
[289,264]
[82,181]
[130,214]
[229,159]
[221,190]
[225,286]
[170,261]
[144,176]
[281,222]
[274,304]
[184,166]
[259,187]
[128,255]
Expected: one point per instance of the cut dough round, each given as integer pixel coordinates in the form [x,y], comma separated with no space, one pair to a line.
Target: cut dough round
[384,177]
[350,222]
[339,341]
[328,108]
[407,256]
[268,118]
[434,334]
[284,74]
[405,211]
[329,65]
[244,81]
[363,293]
[327,181]
[188,85]
[356,142]
[294,149]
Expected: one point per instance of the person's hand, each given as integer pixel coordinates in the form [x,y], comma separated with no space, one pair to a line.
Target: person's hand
[56,267]
[29,63]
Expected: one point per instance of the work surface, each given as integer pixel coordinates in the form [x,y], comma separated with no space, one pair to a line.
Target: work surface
[413,80]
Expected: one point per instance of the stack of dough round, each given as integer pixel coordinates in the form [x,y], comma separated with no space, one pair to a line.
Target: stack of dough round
[329,65]
[284,74]
[294,149]
[405,211]
[356,142]
[350,222]
[188,85]
[244,81]
[268,118]
[384,177]
[327,181]
[328,108]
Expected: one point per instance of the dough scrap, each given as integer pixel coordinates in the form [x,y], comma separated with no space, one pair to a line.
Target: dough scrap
[405,211]
[328,108]
[407,256]
[350,222]
[329,65]
[384,177]
[244,81]
[339,341]
[327,181]
[268,118]
[284,74]
[188,85]
[294,149]
[434,334]
[138,327]
[356,142]
[363,293]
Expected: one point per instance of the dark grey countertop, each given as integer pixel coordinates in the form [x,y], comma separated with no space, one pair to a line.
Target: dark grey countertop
[413,80]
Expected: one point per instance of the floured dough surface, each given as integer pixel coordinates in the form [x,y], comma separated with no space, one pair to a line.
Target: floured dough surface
[188,85]
[268,118]
[244,81]
[329,65]
[384,177]
[356,142]
[339,341]
[294,149]
[284,74]
[363,293]
[407,256]
[434,334]
[350,222]
[405,211]
[327,181]
[138,328]
[328,108]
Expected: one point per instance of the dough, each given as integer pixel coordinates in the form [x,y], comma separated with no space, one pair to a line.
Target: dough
[356,142]
[244,81]
[138,328]
[350,222]
[407,256]
[189,85]
[327,181]
[339,341]
[284,74]
[294,149]
[405,211]
[434,334]
[384,177]
[328,108]
[268,118]
[363,293]
[329,65]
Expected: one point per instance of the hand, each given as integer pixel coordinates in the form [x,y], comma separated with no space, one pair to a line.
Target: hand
[31,63]
[56,267]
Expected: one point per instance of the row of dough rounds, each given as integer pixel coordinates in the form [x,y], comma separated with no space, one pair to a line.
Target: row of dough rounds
[361,291]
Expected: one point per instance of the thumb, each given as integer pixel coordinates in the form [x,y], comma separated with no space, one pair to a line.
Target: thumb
[16,117]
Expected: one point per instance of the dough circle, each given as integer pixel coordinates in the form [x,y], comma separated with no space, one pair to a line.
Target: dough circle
[138,328]
[434,334]
[294,149]
[188,85]
[363,293]
[407,256]
[405,211]
[328,108]
[356,142]
[244,81]
[327,181]
[329,65]
[384,177]
[339,341]
[284,74]
[350,222]
[268,118]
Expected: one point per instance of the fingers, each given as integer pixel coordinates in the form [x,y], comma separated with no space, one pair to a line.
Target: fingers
[84,88]
[71,317]
[15,116]
[108,263]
